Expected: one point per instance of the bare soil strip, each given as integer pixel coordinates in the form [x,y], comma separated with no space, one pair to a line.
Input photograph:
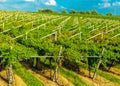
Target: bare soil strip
[115,71]
[99,81]
[44,77]
[17,80]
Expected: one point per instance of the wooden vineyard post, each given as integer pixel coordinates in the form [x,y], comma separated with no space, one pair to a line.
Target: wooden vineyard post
[80,35]
[89,68]
[59,62]
[10,75]
[55,73]
[102,35]
[57,69]
[60,30]
[34,62]
[38,65]
[1,63]
[50,68]
[55,36]
[98,65]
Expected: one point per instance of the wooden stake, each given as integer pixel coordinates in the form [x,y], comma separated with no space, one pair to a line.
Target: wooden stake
[10,75]
[50,68]
[89,68]
[100,60]
[57,69]
[80,36]
[56,36]
[60,30]
[102,35]
[59,62]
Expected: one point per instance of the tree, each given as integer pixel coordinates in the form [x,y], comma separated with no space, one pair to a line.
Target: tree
[72,12]
[94,12]
[81,12]
[39,10]
[64,12]
[47,11]
[88,12]
[109,14]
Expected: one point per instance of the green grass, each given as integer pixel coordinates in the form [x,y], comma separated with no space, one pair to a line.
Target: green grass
[117,66]
[28,78]
[109,77]
[73,77]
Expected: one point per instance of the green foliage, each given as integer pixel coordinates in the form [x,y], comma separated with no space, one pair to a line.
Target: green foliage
[64,12]
[109,14]
[40,10]
[88,12]
[12,51]
[73,48]
[45,10]
[72,12]
[109,77]
[94,12]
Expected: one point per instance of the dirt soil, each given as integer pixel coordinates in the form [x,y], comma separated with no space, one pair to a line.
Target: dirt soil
[99,81]
[115,70]
[48,82]
[17,80]
[44,77]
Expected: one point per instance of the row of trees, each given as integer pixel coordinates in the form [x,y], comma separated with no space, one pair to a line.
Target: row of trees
[93,12]
[81,12]
[47,11]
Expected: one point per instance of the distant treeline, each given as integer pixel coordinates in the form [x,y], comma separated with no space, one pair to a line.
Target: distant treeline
[92,13]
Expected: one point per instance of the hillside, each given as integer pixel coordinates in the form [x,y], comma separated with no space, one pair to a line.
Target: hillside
[40,49]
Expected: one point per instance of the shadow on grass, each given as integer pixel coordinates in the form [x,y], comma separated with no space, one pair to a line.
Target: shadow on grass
[40,71]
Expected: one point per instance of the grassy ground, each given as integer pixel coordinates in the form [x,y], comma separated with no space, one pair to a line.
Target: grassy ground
[73,77]
[109,77]
[106,76]
[117,66]
[28,78]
